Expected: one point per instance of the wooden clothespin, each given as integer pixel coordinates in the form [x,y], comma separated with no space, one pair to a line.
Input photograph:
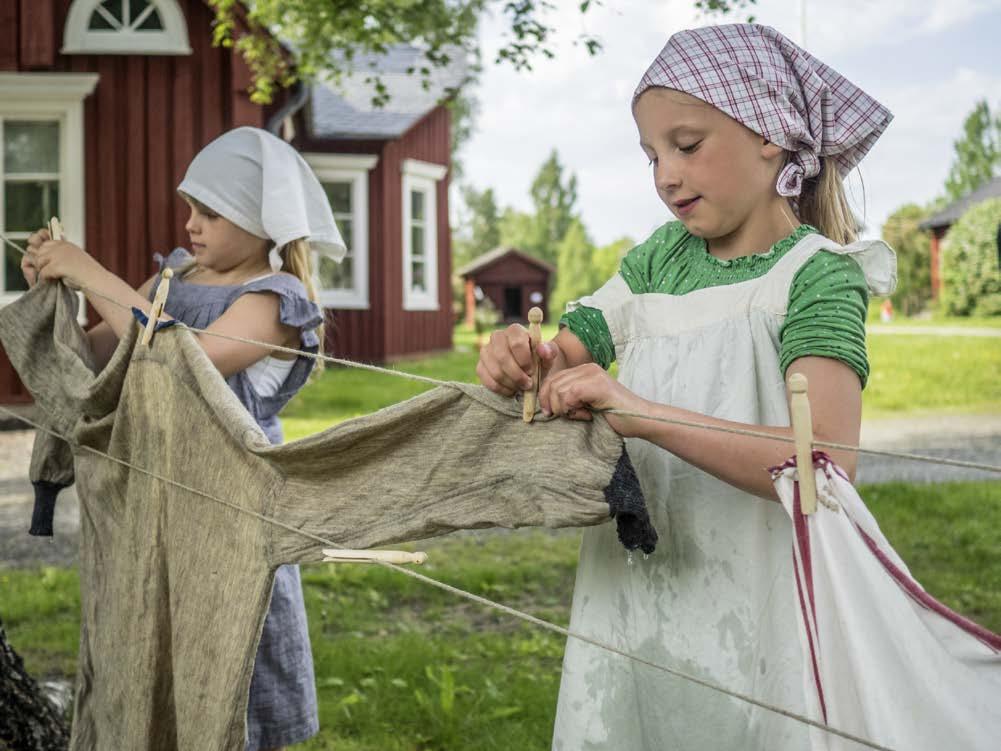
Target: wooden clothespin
[802,430]
[55,229]
[156,310]
[535,336]
[371,556]
[56,233]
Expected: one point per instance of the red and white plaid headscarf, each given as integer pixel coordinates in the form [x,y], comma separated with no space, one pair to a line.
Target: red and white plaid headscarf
[777,89]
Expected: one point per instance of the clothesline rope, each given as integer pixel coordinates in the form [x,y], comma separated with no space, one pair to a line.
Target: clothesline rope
[670,421]
[528,618]
[623,413]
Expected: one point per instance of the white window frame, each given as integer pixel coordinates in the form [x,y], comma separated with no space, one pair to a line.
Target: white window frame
[421,177]
[54,97]
[354,169]
[78,39]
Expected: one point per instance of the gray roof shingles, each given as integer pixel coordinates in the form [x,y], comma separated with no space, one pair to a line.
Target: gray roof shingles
[952,212]
[346,111]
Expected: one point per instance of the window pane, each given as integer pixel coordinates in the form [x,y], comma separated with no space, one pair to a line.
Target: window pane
[417,242]
[152,22]
[417,277]
[12,267]
[335,275]
[346,227]
[30,147]
[417,205]
[100,22]
[29,206]
[339,195]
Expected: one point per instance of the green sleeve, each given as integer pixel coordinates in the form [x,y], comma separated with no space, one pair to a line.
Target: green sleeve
[826,316]
[642,269]
[588,325]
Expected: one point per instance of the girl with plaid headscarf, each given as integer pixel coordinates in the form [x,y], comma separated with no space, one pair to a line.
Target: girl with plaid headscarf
[749,138]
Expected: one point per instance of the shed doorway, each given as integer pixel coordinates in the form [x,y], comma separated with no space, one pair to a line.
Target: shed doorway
[512,303]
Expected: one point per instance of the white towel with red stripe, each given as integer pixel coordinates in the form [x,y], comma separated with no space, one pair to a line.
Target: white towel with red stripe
[884,660]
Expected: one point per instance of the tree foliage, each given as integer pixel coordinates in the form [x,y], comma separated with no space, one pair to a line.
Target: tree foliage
[971,281]
[324,36]
[479,229]
[582,268]
[555,201]
[978,152]
[573,267]
[913,249]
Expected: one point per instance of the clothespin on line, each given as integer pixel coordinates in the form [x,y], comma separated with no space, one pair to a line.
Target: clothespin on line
[156,310]
[55,229]
[56,233]
[372,556]
[535,336]
[802,431]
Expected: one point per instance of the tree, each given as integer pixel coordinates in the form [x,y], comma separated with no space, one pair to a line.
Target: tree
[518,229]
[913,250]
[607,259]
[554,201]
[318,32]
[971,281]
[574,269]
[28,720]
[978,152]
[480,228]
[540,232]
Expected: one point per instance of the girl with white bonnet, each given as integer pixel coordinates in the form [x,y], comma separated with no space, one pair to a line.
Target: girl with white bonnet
[758,277]
[257,215]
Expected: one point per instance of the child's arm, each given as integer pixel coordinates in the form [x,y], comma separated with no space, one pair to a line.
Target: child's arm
[65,260]
[835,402]
[505,364]
[252,316]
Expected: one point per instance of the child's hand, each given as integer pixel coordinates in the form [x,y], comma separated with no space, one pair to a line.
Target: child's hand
[28,267]
[505,365]
[61,260]
[576,391]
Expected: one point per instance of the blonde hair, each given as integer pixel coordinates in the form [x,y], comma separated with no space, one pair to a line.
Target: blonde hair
[297,259]
[823,204]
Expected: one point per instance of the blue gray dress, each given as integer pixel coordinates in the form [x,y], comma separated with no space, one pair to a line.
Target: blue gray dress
[282,708]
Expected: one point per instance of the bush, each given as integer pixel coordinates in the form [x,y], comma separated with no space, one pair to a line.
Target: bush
[971,282]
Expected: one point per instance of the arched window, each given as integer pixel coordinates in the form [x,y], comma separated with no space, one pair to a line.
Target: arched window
[125,27]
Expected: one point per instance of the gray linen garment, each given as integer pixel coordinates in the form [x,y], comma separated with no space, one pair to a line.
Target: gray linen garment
[175,586]
[282,707]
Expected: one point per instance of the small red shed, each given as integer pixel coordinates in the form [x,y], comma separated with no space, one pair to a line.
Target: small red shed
[512,280]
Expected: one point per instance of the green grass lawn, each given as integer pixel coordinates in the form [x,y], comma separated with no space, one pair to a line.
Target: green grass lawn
[932,318]
[401,666]
[909,374]
[404,667]
[921,374]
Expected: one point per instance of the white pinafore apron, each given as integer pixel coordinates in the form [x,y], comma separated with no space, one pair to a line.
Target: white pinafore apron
[716,598]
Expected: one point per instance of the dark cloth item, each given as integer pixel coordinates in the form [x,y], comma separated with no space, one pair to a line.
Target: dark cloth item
[175,586]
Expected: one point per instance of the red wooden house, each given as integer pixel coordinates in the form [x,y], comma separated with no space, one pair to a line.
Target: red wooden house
[386,172]
[103,103]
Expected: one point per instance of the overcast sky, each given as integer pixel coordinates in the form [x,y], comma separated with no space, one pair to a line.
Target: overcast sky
[929,61]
